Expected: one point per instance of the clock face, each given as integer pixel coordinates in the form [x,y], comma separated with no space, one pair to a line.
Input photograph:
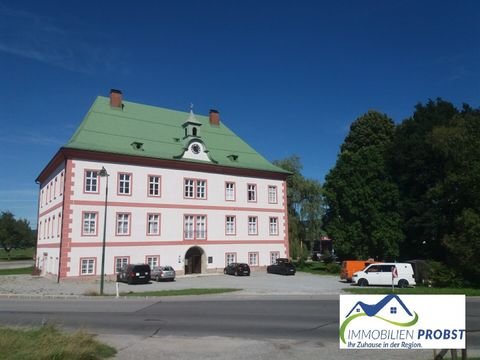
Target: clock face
[195,148]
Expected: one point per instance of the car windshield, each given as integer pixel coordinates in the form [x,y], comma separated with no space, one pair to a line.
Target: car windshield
[167,268]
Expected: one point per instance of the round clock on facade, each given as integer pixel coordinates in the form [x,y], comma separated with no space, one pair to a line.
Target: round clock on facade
[195,148]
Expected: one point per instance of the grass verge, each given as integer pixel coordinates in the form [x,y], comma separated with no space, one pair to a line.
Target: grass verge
[17,271]
[419,290]
[201,291]
[49,343]
[17,254]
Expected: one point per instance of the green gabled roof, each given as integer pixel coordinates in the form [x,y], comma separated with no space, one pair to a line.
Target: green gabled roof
[113,130]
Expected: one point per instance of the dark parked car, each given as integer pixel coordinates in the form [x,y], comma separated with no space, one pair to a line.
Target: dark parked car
[282,266]
[163,273]
[134,274]
[237,269]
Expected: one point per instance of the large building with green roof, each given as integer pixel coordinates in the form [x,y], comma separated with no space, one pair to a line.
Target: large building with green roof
[143,184]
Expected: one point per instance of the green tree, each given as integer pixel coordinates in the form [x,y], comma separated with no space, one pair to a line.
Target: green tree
[305,207]
[14,234]
[362,200]
[418,168]
[457,195]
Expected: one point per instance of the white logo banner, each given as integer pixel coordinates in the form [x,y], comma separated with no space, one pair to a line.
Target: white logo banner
[402,321]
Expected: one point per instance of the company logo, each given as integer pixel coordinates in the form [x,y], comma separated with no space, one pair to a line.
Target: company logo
[402,322]
[392,316]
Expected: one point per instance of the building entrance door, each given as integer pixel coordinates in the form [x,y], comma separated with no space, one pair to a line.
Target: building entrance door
[194,259]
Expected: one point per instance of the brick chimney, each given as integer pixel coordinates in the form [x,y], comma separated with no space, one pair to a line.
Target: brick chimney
[214,117]
[116,99]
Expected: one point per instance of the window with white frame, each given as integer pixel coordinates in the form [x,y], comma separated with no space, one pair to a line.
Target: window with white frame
[153,185]
[89,223]
[253,259]
[153,261]
[273,226]
[120,262]
[195,189]
[252,225]
[123,224]
[87,266]
[230,258]
[230,191]
[188,188]
[195,227]
[124,183]
[272,194]
[252,192]
[201,189]
[153,227]
[91,181]
[274,255]
[230,227]
[201,227]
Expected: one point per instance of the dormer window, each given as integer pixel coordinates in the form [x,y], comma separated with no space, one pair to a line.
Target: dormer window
[137,145]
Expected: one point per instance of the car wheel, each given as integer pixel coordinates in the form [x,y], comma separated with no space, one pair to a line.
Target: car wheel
[129,281]
[403,283]
[362,282]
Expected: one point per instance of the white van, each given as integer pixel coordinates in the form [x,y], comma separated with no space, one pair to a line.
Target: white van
[381,274]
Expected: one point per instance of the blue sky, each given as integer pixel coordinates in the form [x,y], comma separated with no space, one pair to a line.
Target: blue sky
[288,77]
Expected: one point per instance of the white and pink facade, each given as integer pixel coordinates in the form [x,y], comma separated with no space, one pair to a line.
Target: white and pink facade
[193,216]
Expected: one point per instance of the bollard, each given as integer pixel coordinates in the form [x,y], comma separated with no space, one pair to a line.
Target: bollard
[116,287]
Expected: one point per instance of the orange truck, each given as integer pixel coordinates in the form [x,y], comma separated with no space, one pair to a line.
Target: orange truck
[349,267]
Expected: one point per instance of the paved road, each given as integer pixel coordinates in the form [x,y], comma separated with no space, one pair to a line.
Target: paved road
[221,327]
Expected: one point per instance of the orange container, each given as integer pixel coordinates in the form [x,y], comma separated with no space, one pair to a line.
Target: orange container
[349,267]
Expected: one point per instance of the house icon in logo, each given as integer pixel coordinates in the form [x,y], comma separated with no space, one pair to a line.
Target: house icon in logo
[372,310]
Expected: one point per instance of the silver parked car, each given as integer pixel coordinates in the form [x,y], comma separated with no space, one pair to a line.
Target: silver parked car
[164,273]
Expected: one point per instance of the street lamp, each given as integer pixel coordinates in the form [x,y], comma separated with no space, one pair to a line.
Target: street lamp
[103,173]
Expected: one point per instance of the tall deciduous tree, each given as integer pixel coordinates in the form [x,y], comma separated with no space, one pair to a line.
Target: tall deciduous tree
[362,200]
[305,206]
[417,168]
[14,233]
[457,195]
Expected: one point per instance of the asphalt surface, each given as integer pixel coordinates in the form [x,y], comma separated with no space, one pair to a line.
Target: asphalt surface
[204,327]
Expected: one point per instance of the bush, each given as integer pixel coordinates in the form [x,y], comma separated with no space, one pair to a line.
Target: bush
[333,268]
[440,275]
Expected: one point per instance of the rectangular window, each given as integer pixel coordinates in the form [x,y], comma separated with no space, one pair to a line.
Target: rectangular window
[272,194]
[230,227]
[195,189]
[87,266]
[124,183]
[230,258]
[195,227]
[153,226]
[153,261]
[252,192]
[91,181]
[153,185]
[230,191]
[201,227]
[273,228]
[252,225]
[120,262]
[89,223]
[253,259]
[274,255]
[123,224]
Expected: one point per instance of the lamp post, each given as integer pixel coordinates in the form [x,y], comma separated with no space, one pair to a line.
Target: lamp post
[103,173]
